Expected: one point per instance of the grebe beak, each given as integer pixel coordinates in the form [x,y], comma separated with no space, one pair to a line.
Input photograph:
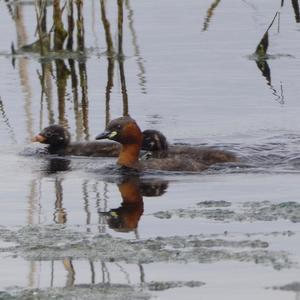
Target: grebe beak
[39,138]
[106,135]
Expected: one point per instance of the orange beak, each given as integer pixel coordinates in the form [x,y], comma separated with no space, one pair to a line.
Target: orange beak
[39,138]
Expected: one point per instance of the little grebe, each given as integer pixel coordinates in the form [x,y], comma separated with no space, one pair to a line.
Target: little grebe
[126,131]
[157,144]
[59,140]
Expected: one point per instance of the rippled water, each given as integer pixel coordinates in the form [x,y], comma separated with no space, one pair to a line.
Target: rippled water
[67,229]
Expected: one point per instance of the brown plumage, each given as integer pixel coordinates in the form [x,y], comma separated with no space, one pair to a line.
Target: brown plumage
[157,143]
[127,216]
[59,142]
[126,131]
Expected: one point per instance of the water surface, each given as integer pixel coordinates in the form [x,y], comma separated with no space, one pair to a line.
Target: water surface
[189,72]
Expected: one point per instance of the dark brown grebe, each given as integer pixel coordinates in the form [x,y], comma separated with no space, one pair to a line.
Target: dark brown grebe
[126,131]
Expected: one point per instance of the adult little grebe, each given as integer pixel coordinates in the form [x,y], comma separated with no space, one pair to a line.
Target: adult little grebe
[59,140]
[158,146]
[126,131]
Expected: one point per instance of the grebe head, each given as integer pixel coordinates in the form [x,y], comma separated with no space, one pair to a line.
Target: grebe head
[123,130]
[154,140]
[53,135]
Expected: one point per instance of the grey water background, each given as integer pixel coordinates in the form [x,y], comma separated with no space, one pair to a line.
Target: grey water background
[231,232]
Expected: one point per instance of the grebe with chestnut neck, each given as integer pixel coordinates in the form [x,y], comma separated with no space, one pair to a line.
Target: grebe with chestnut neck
[125,131]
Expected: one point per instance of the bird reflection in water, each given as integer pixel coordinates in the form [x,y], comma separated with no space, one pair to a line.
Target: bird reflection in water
[122,219]
[57,164]
[126,217]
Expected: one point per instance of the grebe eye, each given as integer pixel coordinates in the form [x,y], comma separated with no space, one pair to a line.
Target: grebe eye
[119,126]
[48,134]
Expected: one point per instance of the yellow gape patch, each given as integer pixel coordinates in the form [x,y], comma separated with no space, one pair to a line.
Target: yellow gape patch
[112,134]
[114,214]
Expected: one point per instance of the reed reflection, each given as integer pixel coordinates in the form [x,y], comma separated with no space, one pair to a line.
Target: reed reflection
[77,78]
[60,214]
[62,74]
[46,93]
[101,204]
[84,99]
[7,122]
[25,83]
[110,60]
[23,68]
[295,5]
[261,58]
[125,219]
[69,267]
[60,217]
[98,273]
[111,55]
[63,62]
[86,205]
[71,25]
[263,66]
[137,52]
[10,9]
[41,18]
[121,58]
[209,14]
[53,57]
[60,34]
